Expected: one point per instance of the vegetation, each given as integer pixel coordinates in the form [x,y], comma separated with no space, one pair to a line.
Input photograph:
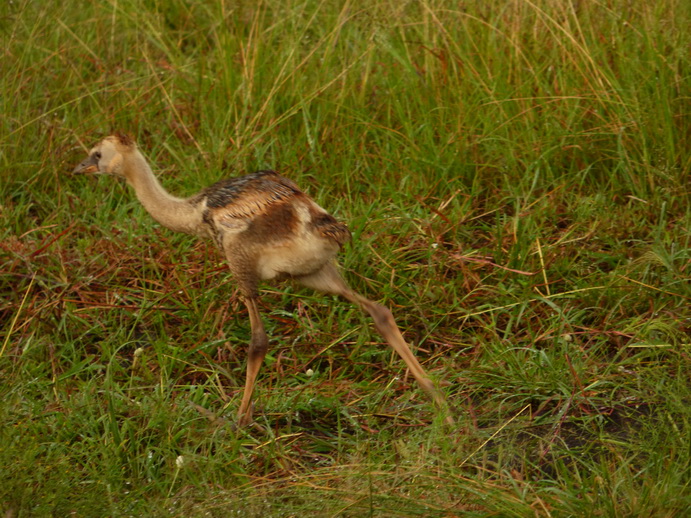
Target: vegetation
[516,177]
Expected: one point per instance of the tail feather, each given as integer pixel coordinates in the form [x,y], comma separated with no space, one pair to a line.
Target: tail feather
[331,228]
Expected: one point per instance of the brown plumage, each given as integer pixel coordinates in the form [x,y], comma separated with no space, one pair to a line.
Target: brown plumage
[267,229]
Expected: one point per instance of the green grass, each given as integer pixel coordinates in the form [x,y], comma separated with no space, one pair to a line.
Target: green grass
[516,177]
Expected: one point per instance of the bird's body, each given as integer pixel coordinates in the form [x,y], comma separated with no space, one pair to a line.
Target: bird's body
[267,229]
[282,231]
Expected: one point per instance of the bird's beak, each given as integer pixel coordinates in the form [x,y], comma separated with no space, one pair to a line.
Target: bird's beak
[90,165]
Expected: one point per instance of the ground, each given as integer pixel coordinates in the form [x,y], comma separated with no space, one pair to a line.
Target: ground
[515,176]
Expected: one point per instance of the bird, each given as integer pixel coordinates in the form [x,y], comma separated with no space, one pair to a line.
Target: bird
[268,229]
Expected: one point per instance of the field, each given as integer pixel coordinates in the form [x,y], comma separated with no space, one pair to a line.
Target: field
[515,175]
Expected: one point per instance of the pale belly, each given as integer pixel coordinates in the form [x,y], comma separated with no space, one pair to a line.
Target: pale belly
[301,256]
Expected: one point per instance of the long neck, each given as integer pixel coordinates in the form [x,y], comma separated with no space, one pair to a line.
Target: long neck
[174,213]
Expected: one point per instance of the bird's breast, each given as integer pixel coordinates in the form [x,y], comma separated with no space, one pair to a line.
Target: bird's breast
[298,248]
[303,255]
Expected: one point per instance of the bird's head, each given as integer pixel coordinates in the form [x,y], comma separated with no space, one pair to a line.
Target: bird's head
[107,156]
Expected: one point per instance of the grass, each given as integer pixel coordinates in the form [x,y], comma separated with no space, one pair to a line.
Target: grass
[515,175]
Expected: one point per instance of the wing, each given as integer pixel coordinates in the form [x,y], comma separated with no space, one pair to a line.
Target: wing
[250,195]
[263,204]
[234,203]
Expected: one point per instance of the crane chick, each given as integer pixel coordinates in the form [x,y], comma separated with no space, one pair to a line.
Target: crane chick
[267,229]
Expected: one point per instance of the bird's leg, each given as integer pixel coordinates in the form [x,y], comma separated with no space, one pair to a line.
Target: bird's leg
[259,343]
[386,325]
[329,280]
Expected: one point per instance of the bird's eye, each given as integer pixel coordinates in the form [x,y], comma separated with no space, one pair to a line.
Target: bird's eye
[97,155]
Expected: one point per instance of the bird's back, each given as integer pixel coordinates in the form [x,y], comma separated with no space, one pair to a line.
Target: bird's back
[250,194]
